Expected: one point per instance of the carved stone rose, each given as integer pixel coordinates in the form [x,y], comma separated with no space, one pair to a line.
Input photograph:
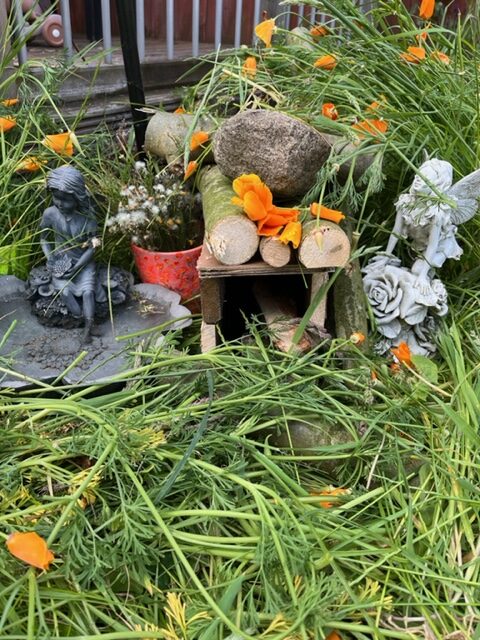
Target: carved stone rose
[385,294]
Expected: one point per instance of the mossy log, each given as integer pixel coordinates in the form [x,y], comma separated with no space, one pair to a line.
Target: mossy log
[274,252]
[350,303]
[231,237]
[167,132]
[324,244]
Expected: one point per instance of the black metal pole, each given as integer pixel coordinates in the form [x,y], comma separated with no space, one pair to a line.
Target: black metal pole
[133,71]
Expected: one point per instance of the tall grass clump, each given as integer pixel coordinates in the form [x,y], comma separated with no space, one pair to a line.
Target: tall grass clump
[171,505]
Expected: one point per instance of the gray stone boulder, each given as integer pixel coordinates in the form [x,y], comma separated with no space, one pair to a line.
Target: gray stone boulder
[285,152]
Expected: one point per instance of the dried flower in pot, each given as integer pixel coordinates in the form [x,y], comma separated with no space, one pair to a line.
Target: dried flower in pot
[163,217]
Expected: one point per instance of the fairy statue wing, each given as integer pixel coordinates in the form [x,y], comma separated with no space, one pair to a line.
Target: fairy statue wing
[466,192]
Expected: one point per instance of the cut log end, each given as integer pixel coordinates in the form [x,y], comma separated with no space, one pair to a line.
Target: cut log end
[233,240]
[274,252]
[324,244]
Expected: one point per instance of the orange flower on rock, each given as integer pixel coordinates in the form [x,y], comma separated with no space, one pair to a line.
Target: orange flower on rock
[440,56]
[265,30]
[192,166]
[329,110]
[9,102]
[403,354]
[198,139]
[427,8]
[327,62]
[249,68]
[61,143]
[31,163]
[30,548]
[7,123]
[318,31]
[331,491]
[292,233]
[413,55]
[372,127]
[325,213]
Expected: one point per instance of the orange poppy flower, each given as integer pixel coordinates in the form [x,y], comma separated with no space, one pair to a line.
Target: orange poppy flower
[31,163]
[192,166]
[61,143]
[333,635]
[357,337]
[7,123]
[422,36]
[180,110]
[249,67]
[325,213]
[331,491]
[329,110]
[414,55]
[265,30]
[440,56]
[377,104]
[292,233]
[318,31]
[403,354]
[372,127]
[278,217]
[327,62]
[9,102]
[30,548]
[427,8]
[197,139]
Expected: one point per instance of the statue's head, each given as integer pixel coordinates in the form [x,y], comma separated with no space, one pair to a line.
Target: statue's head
[68,180]
[438,172]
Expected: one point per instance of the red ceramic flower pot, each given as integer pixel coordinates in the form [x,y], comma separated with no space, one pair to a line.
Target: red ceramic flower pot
[176,270]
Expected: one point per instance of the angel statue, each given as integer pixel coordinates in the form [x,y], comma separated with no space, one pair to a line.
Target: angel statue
[407,302]
[68,289]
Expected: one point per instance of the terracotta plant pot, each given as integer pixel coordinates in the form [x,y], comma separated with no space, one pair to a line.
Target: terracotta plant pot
[176,270]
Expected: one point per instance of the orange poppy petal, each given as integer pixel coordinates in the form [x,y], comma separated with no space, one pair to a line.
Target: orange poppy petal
[244,183]
[331,491]
[318,31]
[427,8]
[269,231]
[253,206]
[237,201]
[414,55]
[327,62]
[403,354]
[440,56]
[249,68]
[197,139]
[333,635]
[292,233]
[192,166]
[30,548]
[372,127]
[61,143]
[357,338]
[180,110]
[7,123]
[265,30]
[29,164]
[9,102]
[325,213]
[329,110]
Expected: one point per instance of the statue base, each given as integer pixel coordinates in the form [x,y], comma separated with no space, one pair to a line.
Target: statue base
[34,353]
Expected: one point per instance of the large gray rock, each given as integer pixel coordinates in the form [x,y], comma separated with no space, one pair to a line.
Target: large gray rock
[285,152]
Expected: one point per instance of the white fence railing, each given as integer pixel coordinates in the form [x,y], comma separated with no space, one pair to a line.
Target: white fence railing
[305,12]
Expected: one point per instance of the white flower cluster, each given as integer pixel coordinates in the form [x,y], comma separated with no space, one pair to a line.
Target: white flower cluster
[155,208]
